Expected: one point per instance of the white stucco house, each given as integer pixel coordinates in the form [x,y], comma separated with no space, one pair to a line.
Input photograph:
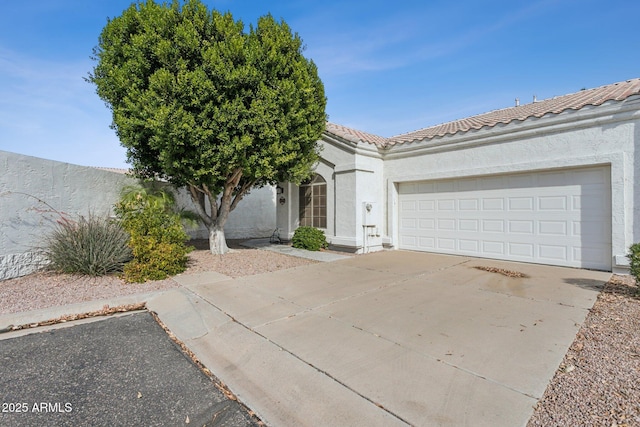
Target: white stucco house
[550,182]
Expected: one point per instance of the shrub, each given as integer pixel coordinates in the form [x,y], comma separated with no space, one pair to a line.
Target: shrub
[634,261]
[156,235]
[309,238]
[156,256]
[93,246]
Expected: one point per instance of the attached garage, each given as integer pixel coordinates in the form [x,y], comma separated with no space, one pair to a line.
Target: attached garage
[556,217]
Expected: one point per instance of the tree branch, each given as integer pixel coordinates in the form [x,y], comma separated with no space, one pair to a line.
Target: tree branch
[213,202]
[235,177]
[197,196]
[241,193]
[230,185]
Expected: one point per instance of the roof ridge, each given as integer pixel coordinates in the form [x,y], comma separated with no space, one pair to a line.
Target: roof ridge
[576,100]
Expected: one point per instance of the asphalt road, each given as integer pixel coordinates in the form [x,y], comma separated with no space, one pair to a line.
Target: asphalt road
[121,371]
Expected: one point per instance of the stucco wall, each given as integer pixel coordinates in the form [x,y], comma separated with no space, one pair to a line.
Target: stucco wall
[32,189]
[604,135]
[354,176]
[254,217]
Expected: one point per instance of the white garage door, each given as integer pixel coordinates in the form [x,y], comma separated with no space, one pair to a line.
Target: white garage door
[552,217]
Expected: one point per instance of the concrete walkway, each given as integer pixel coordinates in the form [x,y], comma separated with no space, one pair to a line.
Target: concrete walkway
[321,256]
[391,338]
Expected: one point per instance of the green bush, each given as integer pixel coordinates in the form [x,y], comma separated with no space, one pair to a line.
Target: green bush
[93,246]
[159,250]
[634,261]
[309,238]
[156,235]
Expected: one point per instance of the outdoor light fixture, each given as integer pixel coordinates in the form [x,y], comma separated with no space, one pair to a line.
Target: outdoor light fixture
[279,190]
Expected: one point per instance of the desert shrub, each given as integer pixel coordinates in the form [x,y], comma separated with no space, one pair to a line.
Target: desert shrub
[156,235]
[93,246]
[634,261]
[157,257]
[309,238]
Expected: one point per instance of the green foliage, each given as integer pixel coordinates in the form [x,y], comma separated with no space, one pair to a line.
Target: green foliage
[157,237]
[634,261]
[94,246]
[199,102]
[309,238]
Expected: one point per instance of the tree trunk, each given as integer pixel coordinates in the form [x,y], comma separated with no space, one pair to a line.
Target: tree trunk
[217,241]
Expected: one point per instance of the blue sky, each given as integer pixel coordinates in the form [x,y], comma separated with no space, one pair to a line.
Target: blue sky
[388,67]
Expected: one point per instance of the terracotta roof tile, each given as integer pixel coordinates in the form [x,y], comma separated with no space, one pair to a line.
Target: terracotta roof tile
[354,135]
[575,101]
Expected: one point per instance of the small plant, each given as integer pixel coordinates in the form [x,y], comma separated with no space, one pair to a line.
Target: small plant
[156,235]
[93,246]
[309,238]
[634,261]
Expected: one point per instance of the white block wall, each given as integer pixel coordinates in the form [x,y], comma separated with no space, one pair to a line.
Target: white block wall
[32,189]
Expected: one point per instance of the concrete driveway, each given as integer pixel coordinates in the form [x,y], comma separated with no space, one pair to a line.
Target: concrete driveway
[390,338]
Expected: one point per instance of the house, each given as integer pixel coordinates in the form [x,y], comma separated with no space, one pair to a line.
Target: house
[550,182]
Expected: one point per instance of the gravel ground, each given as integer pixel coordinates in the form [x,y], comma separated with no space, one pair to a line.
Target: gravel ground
[597,384]
[46,289]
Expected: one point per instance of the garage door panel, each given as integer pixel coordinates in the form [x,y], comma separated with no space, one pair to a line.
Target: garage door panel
[493,204]
[552,203]
[408,223]
[493,248]
[469,225]
[466,245]
[493,226]
[521,203]
[427,242]
[556,217]
[446,224]
[409,241]
[427,205]
[521,226]
[552,228]
[524,250]
[468,204]
[408,205]
[447,244]
[552,252]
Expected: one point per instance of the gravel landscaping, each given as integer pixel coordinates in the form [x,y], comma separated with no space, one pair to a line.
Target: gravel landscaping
[597,384]
[46,289]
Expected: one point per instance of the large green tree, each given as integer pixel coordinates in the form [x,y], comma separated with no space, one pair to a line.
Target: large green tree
[204,104]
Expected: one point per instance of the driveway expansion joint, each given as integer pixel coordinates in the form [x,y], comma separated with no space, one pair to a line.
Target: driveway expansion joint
[440,360]
[321,371]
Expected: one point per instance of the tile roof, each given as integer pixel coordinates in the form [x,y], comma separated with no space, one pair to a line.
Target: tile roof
[575,101]
[354,135]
